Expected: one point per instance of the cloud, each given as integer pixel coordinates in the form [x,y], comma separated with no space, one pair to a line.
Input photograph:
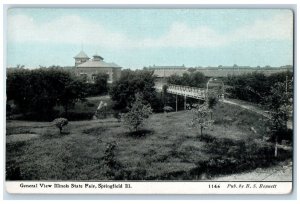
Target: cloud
[181,35]
[76,30]
[67,29]
[278,27]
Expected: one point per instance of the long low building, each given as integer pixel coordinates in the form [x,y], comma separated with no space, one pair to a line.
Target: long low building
[167,71]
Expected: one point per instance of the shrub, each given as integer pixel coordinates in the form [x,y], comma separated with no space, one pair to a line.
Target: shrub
[138,112]
[201,117]
[167,109]
[111,165]
[60,123]
[232,156]
[212,101]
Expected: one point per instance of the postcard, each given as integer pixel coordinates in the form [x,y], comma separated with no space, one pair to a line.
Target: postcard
[149,100]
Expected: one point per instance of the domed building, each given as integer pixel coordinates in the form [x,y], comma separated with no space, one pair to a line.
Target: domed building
[89,68]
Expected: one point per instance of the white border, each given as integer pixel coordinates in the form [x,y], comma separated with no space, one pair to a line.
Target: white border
[165,187]
[49,3]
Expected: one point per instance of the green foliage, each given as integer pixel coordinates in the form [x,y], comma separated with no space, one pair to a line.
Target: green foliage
[254,87]
[201,118]
[193,79]
[99,87]
[80,156]
[123,91]
[60,123]
[111,165]
[71,93]
[101,82]
[251,87]
[138,112]
[280,104]
[212,100]
[18,83]
[38,91]
[232,156]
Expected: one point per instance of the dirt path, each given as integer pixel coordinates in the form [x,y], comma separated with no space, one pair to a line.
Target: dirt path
[280,172]
[254,109]
[248,107]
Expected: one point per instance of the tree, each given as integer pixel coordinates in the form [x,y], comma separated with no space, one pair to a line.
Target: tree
[253,87]
[138,112]
[60,123]
[18,88]
[212,102]
[123,91]
[101,83]
[198,79]
[194,79]
[20,66]
[38,91]
[72,92]
[201,118]
[280,104]
[175,79]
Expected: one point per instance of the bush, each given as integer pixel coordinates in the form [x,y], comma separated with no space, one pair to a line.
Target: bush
[60,123]
[111,165]
[212,101]
[233,156]
[138,112]
[168,109]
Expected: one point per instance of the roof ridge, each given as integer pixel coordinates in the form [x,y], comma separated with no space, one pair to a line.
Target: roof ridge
[82,54]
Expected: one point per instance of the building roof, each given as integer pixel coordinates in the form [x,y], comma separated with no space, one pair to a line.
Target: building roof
[97,57]
[166,67]
[97,64]
[82,54]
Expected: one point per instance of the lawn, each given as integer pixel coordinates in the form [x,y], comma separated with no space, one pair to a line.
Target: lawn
[166,148]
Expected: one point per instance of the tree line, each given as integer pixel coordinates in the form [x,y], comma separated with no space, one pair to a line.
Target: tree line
[255,87]
[193,79]
[36,92]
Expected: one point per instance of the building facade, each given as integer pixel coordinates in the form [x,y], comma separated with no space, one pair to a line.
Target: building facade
[220,71]
[89,68]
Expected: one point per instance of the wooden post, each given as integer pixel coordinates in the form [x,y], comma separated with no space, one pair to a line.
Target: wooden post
[184,102]
[176,103]
[276,148]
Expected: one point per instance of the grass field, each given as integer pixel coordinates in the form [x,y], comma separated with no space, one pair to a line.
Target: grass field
[166,148]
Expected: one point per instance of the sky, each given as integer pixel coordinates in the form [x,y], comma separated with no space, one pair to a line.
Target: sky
[134,38]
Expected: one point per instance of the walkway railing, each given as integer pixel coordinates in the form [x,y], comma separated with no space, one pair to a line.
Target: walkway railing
[186,91]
